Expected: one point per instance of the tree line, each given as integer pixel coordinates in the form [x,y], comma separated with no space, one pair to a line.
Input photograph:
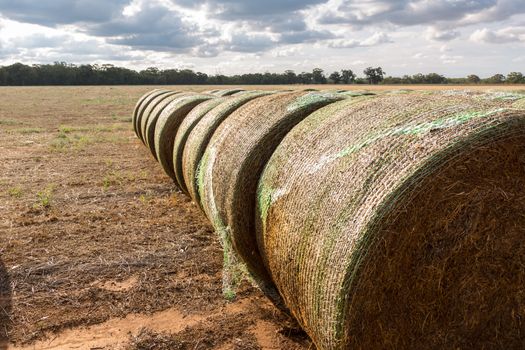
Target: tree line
[61,73]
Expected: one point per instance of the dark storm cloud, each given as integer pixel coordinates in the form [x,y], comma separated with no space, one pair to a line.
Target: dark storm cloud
[56,12]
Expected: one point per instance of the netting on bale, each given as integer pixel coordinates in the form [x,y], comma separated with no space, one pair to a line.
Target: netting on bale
[396,221]
[151,113]
[137,107]
[151,121]
[201,134]
[183,132]
[142,107]
[231,166]
[228,92]
[167,126]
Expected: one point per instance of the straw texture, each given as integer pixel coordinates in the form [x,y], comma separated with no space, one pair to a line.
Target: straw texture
[147,112]
[395,221]
[185,129]
[228,92]
[231,165]
[151,121]
[167,126]
[201,134]
[145,103]
[137,107]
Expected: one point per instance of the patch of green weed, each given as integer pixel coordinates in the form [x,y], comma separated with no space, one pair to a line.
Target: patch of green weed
[15,191]
[45,197]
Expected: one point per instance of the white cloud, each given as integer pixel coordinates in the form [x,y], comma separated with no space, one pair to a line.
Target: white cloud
[436,34]
[450,59]
[376,39]
[501,36]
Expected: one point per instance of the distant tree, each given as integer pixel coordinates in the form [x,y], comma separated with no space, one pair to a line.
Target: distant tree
[318,76]
[418,78]
[515,78]
[473,79]
[496,79]
[374,75]
[434,78]
[347,76]
[290,77]
[306,78]
[335,77]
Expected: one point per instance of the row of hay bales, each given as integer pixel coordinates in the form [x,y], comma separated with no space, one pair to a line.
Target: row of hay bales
[385,221]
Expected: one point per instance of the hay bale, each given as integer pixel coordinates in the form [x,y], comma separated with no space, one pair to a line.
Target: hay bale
[142,121]
[231,165]
[138,107]
[140,113]
[397,222]
[145,103]
[199,137]
[167,126]
[184,131]
[150,123]
[228,92]
[159,100]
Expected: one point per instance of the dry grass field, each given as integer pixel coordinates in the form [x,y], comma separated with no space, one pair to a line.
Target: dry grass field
[97,248]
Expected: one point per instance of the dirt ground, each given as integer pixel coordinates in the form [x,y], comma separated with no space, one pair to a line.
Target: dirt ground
[97,248]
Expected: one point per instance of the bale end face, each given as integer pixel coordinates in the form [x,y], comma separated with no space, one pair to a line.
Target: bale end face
[446,266]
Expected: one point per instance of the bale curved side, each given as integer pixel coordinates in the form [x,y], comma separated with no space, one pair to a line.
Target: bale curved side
[233,161]
[137,107]
[228,92]
[185,129]
[379,222]
[201,134]
[143,107]
[167,126]
[141,125]
[151,122]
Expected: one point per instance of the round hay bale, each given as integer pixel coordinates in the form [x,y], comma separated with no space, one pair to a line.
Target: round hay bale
[150,123]
[397,222]
[167,126]
[228,92]
[143,107]
[137,107]
[232,163]
[355,93]
[141,125]
[185,129]
[201,134]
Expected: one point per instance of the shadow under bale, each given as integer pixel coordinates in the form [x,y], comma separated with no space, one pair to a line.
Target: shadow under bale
[5,306]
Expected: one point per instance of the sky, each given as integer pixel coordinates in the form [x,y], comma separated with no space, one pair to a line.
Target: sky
[450,37]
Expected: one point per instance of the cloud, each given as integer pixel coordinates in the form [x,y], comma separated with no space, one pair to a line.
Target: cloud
[448,59]
[247,9]
[436,34]
[376,39]
[57,12]
[417,12]
[502,36]
[153,27]
[249,42]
